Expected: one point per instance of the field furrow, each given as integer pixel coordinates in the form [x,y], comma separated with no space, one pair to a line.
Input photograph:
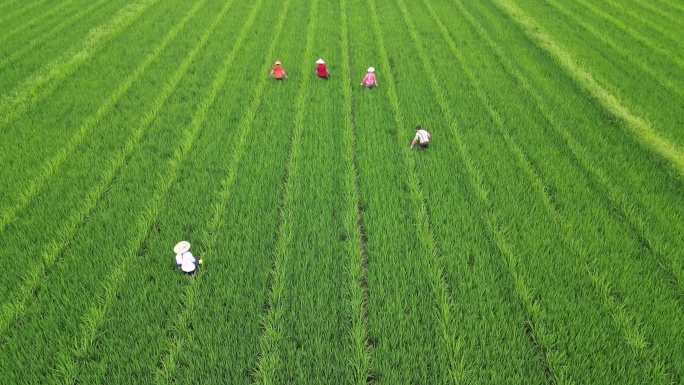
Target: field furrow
[168,366]
[69,149]
[641,36]
[629,295]
[536,241]
[35,21]
[71,360]
[39,41]
[16,13]
[115,210]
[642,129]
[628,14]
[354,229]
[647,213]
[270,366]
[650,64]
[43,82]
[67,215]
[602,282]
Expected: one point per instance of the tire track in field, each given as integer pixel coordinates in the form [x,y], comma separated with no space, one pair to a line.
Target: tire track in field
[269,362]
[70,362]
[640,128]
[51,166]
[167,365]
[603,37]
[15,307]
[623,320]
[20,11]
[46,79]
[47,35]
[440,288]
[355,245]
[637,223]
[675,57]
[34,21]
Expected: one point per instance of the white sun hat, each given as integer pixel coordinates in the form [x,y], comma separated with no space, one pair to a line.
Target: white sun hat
[320,61]
[371,69]
[181,247]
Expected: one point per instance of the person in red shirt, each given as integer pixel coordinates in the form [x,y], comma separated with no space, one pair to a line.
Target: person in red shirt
[321,70]
[278,72]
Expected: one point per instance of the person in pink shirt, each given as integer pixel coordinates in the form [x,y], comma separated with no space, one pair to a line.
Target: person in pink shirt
[369,81]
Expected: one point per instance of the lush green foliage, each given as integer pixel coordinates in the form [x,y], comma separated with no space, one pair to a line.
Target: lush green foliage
[538,240]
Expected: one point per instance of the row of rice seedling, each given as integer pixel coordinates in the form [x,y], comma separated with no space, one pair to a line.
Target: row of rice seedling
[61,301]
[638,292]
[233,289]
[44,39]
[306,325]
[507,262]
[656,66]
[97,137]
[14,9]
[312,268]
[633,88]
[354,229]
[640,17]
[673,155]
[629,179]
[192,212]
[468,254]
[33,136]
[43,82]
[409,310]
[538,231]
[39,20]
[636,283]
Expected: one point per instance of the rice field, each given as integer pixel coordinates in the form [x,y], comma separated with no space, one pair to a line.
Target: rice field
[538,240]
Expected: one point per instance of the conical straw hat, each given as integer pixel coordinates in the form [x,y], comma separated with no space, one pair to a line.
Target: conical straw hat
[320,61]
[181,247]
[371,69]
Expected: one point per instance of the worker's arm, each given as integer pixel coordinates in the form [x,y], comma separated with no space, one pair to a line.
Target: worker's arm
[414,141]
[429,137]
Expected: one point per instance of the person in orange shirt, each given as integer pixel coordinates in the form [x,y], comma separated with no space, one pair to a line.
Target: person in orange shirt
[278,72]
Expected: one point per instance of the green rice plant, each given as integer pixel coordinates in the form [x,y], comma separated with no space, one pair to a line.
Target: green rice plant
[30,46]
[35,20]
[355,248]
[22,9]
[624,90]
[43,81]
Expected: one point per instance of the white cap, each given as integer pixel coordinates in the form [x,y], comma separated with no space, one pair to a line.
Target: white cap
[181,247]
[371,69]
[320,61]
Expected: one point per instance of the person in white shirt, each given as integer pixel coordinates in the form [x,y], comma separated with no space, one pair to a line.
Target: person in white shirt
[422,136]
[184,258]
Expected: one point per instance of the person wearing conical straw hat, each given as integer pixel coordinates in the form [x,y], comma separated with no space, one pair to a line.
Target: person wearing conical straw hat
[278,72]
[422,136]
[322,70]
[184,258]
[369,81]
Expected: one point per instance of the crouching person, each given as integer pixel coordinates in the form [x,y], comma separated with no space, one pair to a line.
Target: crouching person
[184,258]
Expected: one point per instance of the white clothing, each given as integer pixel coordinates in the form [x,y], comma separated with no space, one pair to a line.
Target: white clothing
[187,261]
[423,136]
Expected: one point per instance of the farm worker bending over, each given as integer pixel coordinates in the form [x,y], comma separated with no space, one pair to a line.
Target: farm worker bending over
[321,70]
[422,136]
[278,72]
[184,258]
[369,81]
